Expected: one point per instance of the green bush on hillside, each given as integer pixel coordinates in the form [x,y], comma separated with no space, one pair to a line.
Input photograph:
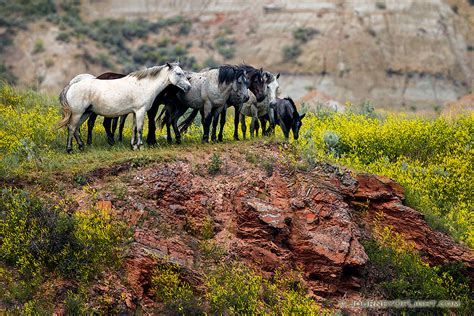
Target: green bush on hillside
[36,238]
[407,276]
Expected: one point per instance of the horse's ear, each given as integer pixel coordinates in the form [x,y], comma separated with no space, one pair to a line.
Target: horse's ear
[302,116]
[261,69]
[278,76]
[169,65]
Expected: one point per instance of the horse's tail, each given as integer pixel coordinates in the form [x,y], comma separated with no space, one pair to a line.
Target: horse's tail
[67,112]
[160,120]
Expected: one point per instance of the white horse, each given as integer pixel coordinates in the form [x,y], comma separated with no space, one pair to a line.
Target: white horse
[111,98]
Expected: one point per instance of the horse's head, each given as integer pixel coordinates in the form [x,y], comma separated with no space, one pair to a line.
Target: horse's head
[272,87]
[177,77]
[297,120]
[258,84]
[240,87]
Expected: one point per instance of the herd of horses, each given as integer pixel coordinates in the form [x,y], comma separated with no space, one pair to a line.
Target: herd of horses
[251,91]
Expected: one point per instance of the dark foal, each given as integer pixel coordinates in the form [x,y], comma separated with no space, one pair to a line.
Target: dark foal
[287,117]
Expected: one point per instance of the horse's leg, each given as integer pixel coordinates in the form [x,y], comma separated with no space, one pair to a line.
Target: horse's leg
[215,120]
[121,126]
[151,137]
[90,127]
[134,131]
[243,125]
[285,131]
[221,130]
[77,131]
[188,121]
[114,126]
[140,117]
[207,110]
[238,107]
[107,126]
[257,126]
[168,120]
[263,123]
[180,110]
[71,129]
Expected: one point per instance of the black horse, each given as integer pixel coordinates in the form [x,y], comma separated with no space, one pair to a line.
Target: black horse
[287,117]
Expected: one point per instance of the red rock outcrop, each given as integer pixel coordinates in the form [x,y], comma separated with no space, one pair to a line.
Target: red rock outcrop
[309,220]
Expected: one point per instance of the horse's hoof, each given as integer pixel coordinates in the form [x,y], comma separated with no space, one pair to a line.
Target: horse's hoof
[111,141]
[69,150]
[178,141]
[81,147]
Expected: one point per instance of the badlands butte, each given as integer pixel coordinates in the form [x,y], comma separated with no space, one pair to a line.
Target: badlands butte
[401,55]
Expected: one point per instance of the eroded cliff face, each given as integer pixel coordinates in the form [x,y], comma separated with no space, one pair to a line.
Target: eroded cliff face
[313,221]
[396,53]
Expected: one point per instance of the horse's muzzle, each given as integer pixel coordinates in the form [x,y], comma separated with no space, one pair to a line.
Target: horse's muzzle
[186,88]
[261,98]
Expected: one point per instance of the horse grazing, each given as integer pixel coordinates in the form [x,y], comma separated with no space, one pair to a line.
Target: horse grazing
[209,93]
[286,115]
[133,93]
[260,110]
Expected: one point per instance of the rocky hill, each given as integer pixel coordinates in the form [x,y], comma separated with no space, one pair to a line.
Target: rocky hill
[412,54]
[264,213]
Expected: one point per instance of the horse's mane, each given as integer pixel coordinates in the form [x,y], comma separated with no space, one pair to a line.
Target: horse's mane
[229,73]
[251,71]
[148,72]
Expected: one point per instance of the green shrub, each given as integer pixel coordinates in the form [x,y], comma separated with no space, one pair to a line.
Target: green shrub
[291,52]
[36,238]
[225,46]
[304,34]
[407,276]
[215,164]
[176,294]
[237,290]
[63,37]
[39,46]
[6,75]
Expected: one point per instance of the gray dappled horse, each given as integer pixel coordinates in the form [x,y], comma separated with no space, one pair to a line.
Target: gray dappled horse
[258,87]
[210,90]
